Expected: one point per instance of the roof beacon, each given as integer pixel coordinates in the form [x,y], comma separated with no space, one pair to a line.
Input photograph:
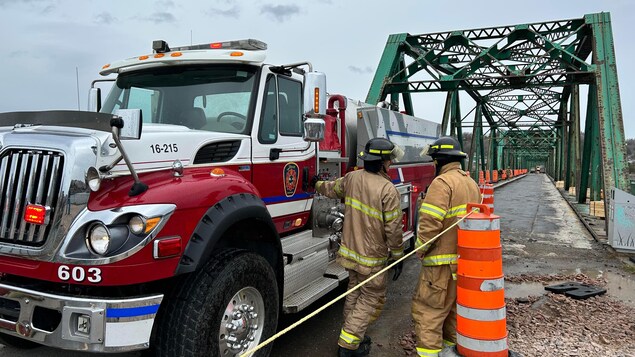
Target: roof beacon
[160,46]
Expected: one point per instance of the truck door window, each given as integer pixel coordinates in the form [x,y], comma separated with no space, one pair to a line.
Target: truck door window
[144,99]
[267,133]
[139,98]
[290,102]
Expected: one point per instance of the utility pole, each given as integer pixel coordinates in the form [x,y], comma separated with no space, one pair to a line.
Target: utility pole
[77,82]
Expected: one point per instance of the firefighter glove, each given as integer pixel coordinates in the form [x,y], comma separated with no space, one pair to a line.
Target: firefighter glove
[397,270]
[314,181]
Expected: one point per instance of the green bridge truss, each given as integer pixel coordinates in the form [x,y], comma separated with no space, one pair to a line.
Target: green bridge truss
[525,83]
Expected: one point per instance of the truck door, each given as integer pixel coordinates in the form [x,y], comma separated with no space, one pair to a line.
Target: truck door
[282,160]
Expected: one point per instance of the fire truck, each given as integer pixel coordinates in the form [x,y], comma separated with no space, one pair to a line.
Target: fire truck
[177,215]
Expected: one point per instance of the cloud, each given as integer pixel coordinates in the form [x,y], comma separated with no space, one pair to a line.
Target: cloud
[161,17]
[166,3]
[234,12]
[49,5]
[14,2]
[360,70]
[105,18]
[48,9]
[18,54]
[280,13]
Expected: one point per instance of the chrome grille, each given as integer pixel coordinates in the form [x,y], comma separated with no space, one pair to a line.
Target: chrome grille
[28,176]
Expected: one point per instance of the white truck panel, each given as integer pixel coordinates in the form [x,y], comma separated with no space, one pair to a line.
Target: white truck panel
[410,133]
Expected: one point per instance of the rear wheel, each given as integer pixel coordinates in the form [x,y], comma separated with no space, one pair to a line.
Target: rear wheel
[225,309]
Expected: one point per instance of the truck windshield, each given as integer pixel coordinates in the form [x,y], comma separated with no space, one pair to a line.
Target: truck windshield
[200,98]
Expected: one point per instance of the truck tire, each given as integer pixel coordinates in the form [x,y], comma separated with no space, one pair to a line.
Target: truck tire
[224,309]
[18,342]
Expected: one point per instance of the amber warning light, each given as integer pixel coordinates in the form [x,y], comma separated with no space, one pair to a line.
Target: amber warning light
[35,214]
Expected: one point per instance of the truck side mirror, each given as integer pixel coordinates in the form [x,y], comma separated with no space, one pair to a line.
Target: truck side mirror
[315,94]
[94,100]
[313,130]
[132,122]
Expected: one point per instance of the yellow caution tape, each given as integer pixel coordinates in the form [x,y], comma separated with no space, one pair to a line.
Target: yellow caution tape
[324,307]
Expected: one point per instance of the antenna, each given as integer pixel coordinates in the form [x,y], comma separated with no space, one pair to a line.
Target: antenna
[191,38]
[77,80]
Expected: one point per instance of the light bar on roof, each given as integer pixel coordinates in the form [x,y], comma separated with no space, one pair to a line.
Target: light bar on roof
[246,45]
[244,51]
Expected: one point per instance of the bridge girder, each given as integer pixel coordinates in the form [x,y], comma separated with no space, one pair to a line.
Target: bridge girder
[525,83]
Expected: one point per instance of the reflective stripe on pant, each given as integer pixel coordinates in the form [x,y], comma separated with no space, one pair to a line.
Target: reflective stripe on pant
[361,308]
[434,308]
[424,352]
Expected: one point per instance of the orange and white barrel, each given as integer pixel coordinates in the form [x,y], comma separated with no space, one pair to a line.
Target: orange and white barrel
[481,323]
[487,191]
[487,177]
[494,176]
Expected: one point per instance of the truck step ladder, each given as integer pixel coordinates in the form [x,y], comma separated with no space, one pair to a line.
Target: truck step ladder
[302,244]
[336,271]
[309,294]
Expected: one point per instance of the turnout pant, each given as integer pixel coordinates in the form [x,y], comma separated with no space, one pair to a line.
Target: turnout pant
[361,308]
[434,309]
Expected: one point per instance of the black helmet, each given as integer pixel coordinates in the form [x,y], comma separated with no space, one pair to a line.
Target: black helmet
[380,149]
[444,146]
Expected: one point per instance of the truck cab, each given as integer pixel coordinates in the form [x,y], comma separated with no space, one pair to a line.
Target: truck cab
[231,109]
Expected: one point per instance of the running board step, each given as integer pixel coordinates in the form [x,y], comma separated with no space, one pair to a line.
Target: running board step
[302,244]
[336,271]
[309,294]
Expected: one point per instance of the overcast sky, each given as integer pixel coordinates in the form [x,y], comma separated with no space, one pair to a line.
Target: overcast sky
[45,41]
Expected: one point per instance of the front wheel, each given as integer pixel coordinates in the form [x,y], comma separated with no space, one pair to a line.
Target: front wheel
[225,309]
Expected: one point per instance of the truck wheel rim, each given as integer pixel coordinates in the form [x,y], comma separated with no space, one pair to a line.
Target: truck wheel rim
[242,322]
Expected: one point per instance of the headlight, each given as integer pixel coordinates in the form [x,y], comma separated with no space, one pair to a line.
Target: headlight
[140,225]
[137,225]
[93,179]
[99,239]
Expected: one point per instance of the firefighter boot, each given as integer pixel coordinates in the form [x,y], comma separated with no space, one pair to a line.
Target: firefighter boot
[362,350]
[449,351]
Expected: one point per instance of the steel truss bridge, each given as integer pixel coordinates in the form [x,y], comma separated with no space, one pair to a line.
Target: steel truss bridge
[525,83]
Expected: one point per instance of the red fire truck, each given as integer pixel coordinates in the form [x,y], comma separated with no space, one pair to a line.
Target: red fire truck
[178,215]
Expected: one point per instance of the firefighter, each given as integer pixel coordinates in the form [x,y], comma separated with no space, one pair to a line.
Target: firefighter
[434,302]
[372,236]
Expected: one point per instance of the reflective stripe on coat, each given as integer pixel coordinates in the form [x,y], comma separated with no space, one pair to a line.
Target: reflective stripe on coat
[372,224]
[445,200]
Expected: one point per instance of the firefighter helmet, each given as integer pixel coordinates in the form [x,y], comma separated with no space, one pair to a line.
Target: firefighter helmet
[381,149]
[444,146]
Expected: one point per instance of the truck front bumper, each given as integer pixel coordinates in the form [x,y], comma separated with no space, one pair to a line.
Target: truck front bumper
[72,323]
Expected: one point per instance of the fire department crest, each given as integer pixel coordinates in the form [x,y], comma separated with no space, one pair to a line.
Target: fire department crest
[291,173]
